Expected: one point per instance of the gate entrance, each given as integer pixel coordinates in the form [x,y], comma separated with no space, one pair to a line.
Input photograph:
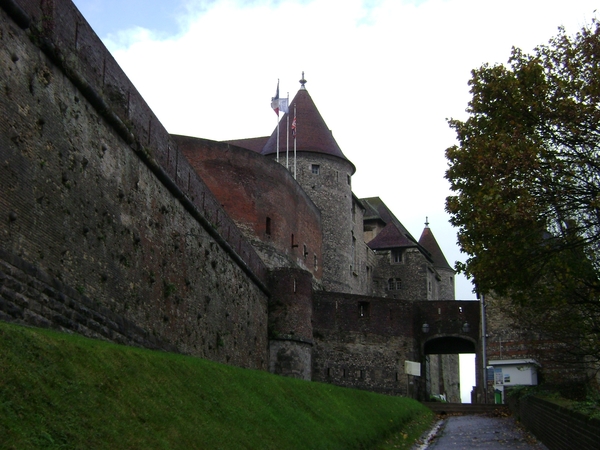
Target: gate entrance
[442,368]
[447,329]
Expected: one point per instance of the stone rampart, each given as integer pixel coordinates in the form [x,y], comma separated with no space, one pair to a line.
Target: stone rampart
[362,342]
[98,202]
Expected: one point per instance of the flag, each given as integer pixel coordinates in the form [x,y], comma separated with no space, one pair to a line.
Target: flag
[283,105]
[294,127]
[275,100]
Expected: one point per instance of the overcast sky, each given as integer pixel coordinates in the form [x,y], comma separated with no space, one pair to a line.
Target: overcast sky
[385,74]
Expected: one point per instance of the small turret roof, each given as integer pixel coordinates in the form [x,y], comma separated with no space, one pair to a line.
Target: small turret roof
[375,209]
[312,133]
[390,237]
[429,243]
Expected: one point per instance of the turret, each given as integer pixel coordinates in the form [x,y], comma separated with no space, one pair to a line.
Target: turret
[325,174]
[444,280]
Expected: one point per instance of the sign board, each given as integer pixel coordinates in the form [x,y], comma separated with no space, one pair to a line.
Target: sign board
[412,368]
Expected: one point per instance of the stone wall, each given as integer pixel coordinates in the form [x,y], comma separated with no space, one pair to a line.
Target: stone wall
[290,323]
[331,191]
[362,342]
[97,200]
[409,276]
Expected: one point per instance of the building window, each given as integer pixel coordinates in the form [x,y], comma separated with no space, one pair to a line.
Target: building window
[315,261]
[305,251]
[349,180]
[363,309]
[315,168]
[397,256]
[391,284]
[268,226]
[394,284]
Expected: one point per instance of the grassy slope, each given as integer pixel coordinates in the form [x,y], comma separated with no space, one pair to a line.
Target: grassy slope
[65,391]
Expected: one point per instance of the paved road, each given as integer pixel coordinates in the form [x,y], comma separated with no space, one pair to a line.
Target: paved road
[481,432]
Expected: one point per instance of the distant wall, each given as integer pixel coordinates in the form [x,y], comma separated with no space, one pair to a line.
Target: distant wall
[511,337]
[557,427]
[103,223]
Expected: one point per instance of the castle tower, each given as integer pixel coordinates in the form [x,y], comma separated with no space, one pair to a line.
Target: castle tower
[325,174]
[442,286]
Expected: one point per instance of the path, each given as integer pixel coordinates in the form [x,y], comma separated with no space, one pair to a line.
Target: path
[480,432]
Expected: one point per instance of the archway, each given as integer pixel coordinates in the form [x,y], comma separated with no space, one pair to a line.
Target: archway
[444,371]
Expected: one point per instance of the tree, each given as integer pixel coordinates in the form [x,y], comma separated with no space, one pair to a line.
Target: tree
[526,181]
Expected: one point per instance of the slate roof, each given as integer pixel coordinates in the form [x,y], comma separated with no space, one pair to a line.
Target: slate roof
[429,243]
[394,234]
[312,133]
[390,237]
[254,144]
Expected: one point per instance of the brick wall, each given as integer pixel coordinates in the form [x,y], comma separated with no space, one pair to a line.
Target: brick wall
[512,336]
[557,427]
[254,189]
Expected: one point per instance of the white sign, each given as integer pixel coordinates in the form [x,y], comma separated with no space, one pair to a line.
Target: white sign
[412,368]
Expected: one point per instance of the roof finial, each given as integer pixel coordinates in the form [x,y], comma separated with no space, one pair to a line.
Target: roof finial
[426,222]
[302,81]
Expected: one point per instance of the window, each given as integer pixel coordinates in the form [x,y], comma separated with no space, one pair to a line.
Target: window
[363,309]
[397,256]
[315,261]
[394,284]
[315,168]
[354,265]
[268,226]
[305,254]
[349,180]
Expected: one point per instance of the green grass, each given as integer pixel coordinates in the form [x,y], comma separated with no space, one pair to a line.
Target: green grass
[64,391]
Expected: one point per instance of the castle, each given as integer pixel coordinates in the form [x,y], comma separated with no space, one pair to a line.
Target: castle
[115,229]
[307,218]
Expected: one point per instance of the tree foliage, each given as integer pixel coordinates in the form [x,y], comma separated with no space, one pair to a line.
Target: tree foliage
[526,178]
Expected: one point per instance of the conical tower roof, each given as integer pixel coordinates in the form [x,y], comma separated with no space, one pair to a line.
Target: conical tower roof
[429,243]
[312,133]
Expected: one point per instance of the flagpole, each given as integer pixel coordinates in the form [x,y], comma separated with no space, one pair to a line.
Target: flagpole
[295,132]
[287,145]
[275,106]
